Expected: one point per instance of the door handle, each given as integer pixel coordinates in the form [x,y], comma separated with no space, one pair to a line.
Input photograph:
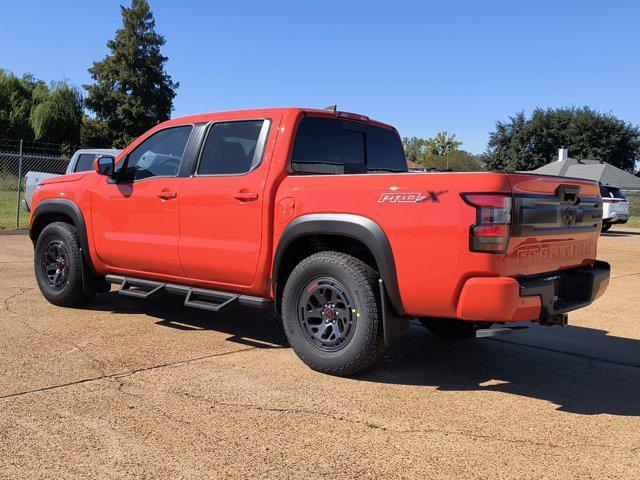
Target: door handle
[167,195]
[245,196]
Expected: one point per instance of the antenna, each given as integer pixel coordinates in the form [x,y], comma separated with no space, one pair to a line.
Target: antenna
[331,108]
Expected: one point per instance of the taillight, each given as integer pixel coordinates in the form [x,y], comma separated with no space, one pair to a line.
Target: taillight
[490,233]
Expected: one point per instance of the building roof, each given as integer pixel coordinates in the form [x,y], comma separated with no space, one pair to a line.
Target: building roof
[592,170]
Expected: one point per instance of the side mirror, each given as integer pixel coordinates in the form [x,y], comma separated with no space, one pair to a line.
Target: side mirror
[105,166]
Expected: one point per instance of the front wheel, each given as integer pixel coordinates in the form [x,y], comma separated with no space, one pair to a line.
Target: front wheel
[58,266]
[331,313]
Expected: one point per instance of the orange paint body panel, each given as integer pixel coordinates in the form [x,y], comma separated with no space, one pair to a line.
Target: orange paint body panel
[496,300]
[222,231]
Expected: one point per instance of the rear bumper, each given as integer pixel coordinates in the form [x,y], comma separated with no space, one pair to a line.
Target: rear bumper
[537,298]
[617,218]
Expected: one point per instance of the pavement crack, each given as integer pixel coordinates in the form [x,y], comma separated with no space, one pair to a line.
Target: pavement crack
[75,346]
[22,291]
[421,431]
[123,374]
[625,275]
[120,380]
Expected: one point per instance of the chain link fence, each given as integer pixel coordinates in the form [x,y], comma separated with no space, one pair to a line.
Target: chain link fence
[14,166]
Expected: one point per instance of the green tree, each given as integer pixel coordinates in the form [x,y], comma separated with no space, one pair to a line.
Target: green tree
[56,115]
[413,148]
[95,133]
[16,101]
[132,91]
[523,143]
[441,152]
[456,161]
[441,144]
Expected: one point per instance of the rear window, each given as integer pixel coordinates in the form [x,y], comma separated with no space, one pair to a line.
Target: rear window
[611,192]
[341,146]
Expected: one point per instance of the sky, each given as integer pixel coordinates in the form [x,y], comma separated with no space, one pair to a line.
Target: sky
[422,66]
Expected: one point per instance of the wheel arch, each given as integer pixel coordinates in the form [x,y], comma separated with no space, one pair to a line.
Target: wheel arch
[60,209]
[336,230]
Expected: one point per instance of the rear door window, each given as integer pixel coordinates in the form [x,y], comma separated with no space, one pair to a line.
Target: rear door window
[232,148]
[326,145]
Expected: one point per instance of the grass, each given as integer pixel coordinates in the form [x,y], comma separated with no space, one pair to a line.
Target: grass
[634,211]
[8,207]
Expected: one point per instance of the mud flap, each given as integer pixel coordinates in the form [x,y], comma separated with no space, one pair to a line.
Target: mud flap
[394,326]
[90,282]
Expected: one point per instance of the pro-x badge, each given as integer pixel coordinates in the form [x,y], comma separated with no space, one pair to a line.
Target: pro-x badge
[411,197]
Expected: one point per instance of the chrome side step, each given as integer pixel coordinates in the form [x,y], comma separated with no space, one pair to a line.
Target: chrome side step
[203,298]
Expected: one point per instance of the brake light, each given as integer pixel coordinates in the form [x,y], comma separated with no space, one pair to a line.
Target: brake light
[352,116]
[490,233]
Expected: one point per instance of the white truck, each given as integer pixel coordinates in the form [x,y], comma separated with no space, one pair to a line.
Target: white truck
[82,161]
[615,206]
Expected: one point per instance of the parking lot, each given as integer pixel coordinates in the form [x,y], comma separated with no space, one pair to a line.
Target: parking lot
[133,389]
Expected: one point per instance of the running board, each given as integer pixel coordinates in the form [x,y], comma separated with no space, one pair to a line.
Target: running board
[209,300]
[134,287]
[203,298]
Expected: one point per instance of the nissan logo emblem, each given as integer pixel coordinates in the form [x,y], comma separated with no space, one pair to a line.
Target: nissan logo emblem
[569,218]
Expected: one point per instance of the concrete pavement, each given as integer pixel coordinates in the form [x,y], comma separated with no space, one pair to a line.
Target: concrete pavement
[133,389]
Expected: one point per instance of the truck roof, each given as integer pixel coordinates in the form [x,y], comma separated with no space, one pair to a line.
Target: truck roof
[268,112]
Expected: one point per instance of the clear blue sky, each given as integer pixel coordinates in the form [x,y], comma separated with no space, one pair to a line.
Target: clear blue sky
[422,66]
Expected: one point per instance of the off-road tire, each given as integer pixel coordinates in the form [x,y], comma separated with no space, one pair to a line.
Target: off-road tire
[366,345]
[71,293]
[450,328]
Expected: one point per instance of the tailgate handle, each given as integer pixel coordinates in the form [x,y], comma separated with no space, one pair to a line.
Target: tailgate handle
[568,193]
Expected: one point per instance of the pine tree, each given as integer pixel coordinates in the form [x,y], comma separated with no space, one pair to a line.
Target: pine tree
[132,92]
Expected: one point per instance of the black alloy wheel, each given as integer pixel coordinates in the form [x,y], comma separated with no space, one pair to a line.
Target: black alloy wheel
[326,313]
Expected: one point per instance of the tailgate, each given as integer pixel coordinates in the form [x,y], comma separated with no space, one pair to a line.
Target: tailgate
[556,223]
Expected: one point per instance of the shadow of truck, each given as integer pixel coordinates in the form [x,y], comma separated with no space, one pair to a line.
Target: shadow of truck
[582,370]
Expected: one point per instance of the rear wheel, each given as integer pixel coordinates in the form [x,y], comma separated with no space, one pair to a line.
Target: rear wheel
[606,226]
[58,266]
[331,313]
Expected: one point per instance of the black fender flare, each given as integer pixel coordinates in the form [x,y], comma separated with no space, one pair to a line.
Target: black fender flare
[68,208]
[357,227]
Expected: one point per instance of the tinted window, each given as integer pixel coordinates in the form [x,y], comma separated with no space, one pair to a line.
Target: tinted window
[325,141]
[616,193]
[85,162]
[611,192]
[385,150]
[346,147]
[230,148]
[159,155]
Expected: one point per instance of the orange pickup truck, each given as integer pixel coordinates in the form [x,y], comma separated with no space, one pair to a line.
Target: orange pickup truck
[314,211]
